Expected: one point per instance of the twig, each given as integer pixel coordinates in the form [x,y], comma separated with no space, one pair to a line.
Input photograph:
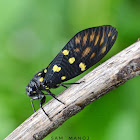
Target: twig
[108,76]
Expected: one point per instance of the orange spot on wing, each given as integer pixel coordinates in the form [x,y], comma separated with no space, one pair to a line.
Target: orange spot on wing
[103,49]
[86,51]
[77,39]
[102,39]
[97,38]
[93,54]
[109,34]
[113,36]
[92,36]
[84,39]
[77,50]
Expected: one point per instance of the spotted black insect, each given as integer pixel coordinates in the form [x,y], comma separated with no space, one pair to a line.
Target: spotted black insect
[84,50]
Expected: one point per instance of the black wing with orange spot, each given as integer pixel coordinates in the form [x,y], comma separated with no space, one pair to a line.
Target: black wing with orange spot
[84,50]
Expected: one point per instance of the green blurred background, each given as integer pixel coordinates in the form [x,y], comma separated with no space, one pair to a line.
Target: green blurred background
[32,32]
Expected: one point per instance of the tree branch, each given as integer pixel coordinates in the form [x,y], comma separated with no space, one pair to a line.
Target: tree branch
[106,77]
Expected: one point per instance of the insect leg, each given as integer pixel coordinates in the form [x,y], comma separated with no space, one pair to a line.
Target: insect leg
[73,83]
[63,84]
[41,104]
[32,105]
[49,93]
